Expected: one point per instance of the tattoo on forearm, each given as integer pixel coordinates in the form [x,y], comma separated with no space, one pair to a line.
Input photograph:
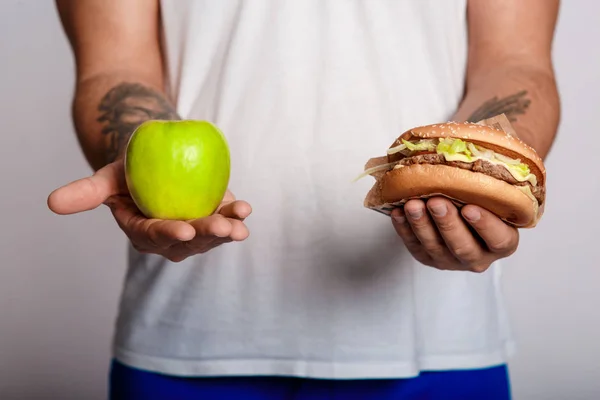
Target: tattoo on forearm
[511,106]
[124,108]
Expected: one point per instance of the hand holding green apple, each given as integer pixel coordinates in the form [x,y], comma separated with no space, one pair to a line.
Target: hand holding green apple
[170,193]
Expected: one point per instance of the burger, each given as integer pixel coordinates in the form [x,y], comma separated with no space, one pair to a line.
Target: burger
[469,163]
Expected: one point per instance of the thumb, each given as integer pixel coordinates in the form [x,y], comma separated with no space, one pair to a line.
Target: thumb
[88,193]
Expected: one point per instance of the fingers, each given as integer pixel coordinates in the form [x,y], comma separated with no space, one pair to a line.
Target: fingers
[149,234]
[437,234]
[500,238]
[465,248]
[239,231]
[215,225]
[211,232]
[427,234]
[236,209]
[219,226]
[88,193]
[175,240]
[226,223]
[407,235]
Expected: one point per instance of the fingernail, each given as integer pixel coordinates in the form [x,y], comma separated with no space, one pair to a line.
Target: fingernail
[438,210]
[472,214]
[399,219]
[415,214]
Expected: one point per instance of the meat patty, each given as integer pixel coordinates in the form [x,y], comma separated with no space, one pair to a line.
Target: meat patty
[482,166]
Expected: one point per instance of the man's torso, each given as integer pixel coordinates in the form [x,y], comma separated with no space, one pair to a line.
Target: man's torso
[306,92]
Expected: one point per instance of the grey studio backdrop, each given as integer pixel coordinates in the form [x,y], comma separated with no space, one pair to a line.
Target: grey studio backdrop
[60,277]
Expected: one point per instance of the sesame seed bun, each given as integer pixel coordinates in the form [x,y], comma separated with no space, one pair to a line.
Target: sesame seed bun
[463,186]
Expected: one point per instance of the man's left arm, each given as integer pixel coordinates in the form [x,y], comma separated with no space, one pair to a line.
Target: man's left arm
[509,71]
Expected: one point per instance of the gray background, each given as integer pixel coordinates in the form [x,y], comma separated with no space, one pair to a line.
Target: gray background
[60,276]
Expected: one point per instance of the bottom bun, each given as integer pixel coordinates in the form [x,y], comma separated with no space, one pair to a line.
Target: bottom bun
[424,180]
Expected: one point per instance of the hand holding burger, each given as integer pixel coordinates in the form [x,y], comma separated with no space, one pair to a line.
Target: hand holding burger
[458,192]
[439,235]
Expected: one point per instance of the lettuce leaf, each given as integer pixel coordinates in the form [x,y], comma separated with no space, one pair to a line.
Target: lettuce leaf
[521,169]
[453,147]
[422,145]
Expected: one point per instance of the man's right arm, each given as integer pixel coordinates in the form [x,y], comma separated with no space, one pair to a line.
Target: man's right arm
[119,72]
[119,85]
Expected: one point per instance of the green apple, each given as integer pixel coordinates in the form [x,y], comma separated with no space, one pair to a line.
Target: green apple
[177,170]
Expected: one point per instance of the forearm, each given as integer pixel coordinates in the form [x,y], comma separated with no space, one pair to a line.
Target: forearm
[107,109]
[527,95]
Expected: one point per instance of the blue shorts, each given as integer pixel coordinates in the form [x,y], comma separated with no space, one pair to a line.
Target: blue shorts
[132,384]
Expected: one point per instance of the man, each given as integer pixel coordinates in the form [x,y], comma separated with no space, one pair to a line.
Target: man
[325,299]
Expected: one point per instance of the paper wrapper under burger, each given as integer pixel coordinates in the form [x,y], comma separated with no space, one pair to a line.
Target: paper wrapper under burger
[499,122]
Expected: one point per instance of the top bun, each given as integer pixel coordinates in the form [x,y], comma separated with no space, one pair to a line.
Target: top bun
[483,135]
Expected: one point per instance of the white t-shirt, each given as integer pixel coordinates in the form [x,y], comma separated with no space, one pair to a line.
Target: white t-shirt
[307,91]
